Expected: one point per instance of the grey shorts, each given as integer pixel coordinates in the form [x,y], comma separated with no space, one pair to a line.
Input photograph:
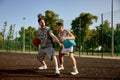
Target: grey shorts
[50,51]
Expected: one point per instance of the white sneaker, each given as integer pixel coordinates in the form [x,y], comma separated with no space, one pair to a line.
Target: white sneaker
[57,72]
[61,68]
[74,72]
[43,67]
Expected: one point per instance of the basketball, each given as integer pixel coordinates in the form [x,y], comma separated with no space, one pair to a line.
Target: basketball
[36,41]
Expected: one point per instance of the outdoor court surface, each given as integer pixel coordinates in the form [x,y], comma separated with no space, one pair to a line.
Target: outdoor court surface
[20,66]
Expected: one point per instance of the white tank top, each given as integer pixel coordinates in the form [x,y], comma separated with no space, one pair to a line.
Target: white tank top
[62,35]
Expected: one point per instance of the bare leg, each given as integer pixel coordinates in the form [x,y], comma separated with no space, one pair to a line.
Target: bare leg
[61,60]
[54,59]
[43,62]
[72,59]
[44,66]
[75,71]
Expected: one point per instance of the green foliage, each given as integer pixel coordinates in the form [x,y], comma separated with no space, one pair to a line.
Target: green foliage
[105,35]
[86,39]
[117,38]
[4,30]
[11,32]
[80,27]
[1,37]
[40,16]
[30,33]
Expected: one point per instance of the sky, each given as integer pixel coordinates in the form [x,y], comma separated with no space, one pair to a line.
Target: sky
[13,11]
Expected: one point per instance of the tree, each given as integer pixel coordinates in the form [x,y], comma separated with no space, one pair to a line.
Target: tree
[86,21]
[117,38]
[4,30]
[1,37]
[80,27]
[1,41]
[118,27]
[30,33]
[11,32]
[105,35]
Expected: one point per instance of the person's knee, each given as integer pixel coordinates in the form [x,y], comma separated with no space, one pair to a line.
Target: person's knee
[61,55]
[53,57]
[71,56]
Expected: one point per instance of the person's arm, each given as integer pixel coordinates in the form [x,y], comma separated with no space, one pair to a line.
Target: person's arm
[55,38]
[70,35]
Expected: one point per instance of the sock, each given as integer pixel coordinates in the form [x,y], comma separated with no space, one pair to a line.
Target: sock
[56,68]
[61,65]
[45,65]
[74,67]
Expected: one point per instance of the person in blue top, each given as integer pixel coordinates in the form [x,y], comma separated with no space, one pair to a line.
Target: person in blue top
[66,35]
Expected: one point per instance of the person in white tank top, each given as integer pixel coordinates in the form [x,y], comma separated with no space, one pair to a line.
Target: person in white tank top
[65,50]
[64,35]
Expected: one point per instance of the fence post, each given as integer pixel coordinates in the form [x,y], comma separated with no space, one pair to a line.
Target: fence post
[102,35]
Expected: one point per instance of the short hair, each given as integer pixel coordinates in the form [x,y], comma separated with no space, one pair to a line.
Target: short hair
[59,23]
[42,18]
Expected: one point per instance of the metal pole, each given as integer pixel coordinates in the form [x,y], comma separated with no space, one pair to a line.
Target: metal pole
[112,29]
[102,35]
[80,36]
[24,35]
[23,40]
[16,42]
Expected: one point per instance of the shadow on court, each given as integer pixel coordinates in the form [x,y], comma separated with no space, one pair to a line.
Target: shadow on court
[19,66]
